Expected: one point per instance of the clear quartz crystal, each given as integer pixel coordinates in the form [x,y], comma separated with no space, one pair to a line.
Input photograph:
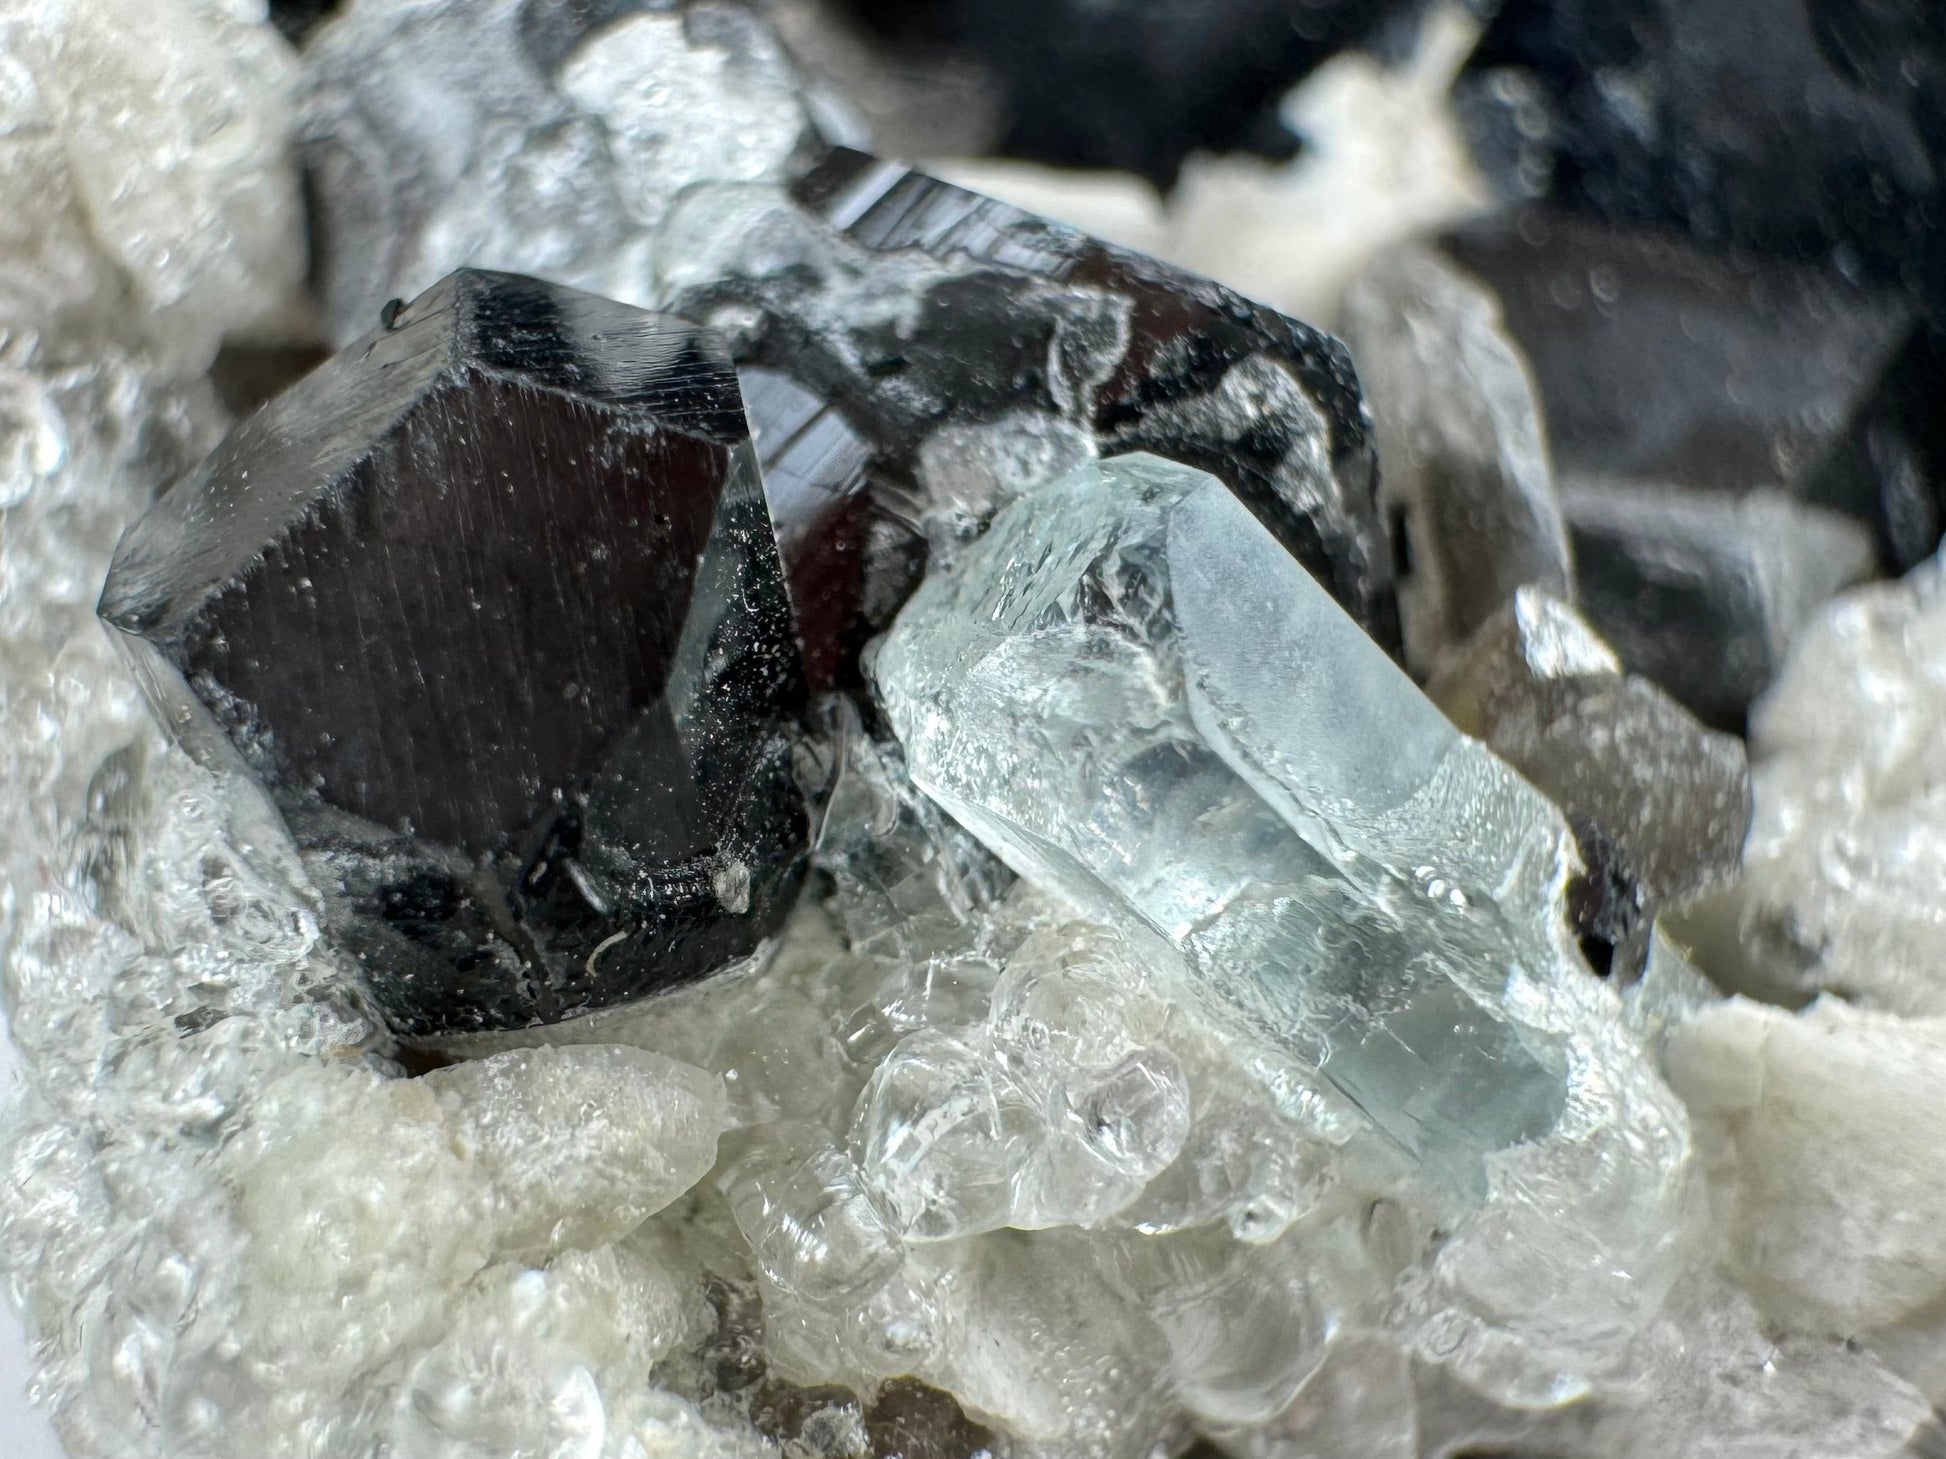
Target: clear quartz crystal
[1133,694]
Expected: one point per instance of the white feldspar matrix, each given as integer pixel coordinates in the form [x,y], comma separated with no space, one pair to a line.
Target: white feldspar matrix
[1132,693]
[1846,850]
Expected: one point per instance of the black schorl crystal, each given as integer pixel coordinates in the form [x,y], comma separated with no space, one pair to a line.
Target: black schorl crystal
[1702,592]
[1812,129]
[1136,88]
[492,604]
[1001,312]
[1656,360]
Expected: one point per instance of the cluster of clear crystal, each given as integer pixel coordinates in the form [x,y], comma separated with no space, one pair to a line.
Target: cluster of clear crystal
[1181,1036]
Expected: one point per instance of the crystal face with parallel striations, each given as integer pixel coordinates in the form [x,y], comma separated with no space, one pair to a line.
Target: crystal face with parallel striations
[492,603]
[925,312]
[1135,695]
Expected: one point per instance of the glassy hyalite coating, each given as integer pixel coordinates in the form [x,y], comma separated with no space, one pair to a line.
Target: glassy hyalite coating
[492,603]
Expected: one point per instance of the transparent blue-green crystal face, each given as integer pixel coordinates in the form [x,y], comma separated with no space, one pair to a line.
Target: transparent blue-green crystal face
[1131,692]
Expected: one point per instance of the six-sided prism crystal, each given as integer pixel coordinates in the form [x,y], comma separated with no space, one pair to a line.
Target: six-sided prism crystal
[1132,693]
[492,603]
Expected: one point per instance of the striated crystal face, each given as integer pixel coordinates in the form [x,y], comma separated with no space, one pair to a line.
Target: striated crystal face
[1133,694]
[936,319]
[492,602]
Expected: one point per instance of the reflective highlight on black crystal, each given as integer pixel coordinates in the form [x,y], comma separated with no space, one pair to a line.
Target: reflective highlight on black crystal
[492,604]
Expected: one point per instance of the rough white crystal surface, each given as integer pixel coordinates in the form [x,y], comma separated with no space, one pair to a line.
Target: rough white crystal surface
[145,179]
[1846,848]
[1827,1169]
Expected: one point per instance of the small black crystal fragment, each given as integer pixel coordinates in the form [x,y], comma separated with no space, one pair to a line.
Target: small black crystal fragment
[909,1419]
[492,604]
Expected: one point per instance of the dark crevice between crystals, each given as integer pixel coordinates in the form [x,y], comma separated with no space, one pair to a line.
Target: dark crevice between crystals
[1605,905]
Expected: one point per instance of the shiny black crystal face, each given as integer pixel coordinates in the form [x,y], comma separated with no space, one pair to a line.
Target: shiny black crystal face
[1808,129]
[1719,372]
[815,481]
[1007,312]
[493,605]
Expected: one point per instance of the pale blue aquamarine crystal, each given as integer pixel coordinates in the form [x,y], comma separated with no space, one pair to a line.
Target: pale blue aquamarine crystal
[1135,695]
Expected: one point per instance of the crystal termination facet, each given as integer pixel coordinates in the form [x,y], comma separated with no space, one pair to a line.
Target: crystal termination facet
[492,603]
[1132,693]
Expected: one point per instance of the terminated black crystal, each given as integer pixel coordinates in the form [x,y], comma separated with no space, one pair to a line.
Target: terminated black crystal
[492,604]
[1810,129]
[1659,361]
[981,314]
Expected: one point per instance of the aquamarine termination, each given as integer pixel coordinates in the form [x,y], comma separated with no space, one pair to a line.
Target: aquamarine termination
[1133,693]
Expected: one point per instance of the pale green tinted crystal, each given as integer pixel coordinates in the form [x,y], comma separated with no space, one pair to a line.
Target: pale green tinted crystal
[1133,694]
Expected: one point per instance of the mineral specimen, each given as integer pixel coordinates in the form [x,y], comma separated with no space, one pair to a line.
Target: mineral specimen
[1465,477]
[990,1178]
[1133,694]
[493,603]
[1659,803]
[1703,592]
